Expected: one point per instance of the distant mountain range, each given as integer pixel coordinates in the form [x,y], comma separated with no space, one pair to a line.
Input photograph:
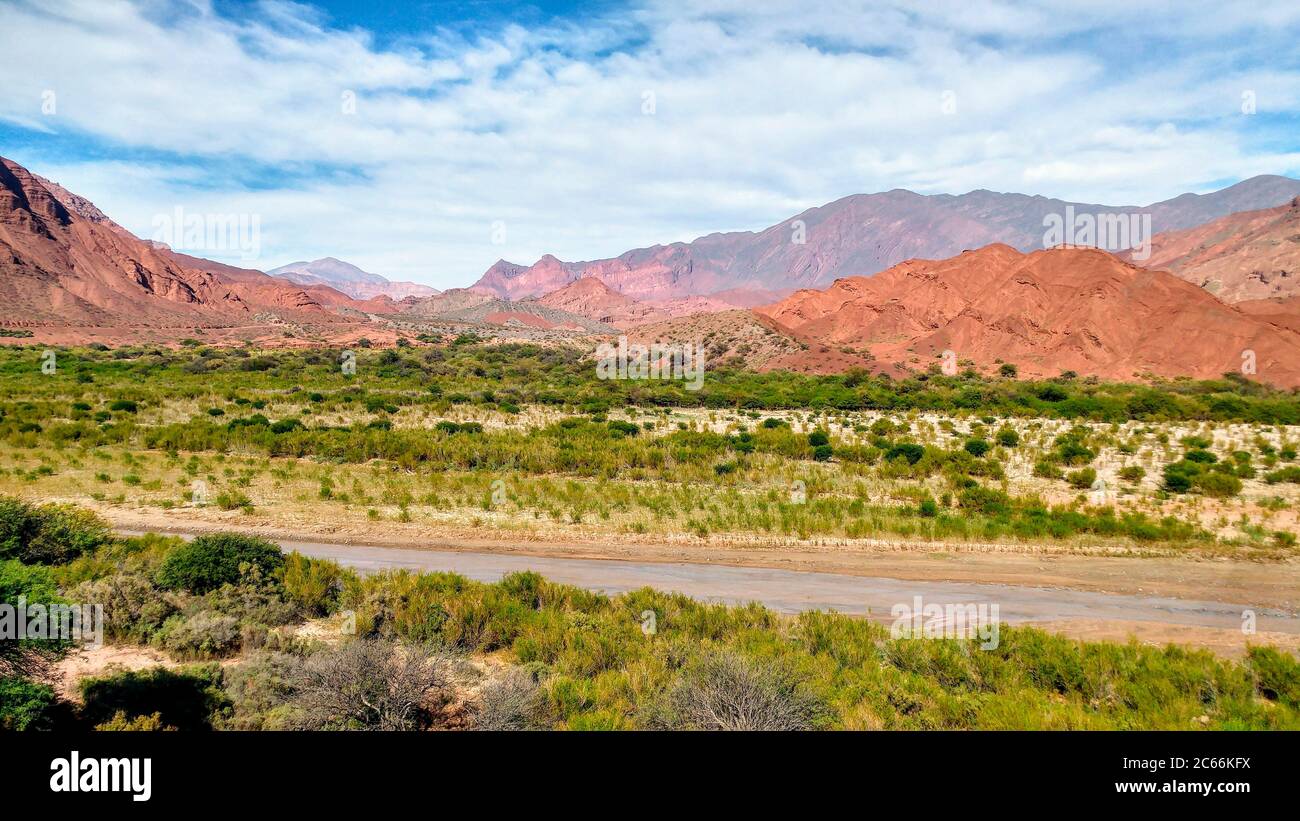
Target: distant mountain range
[73,274]
[349,279]
[858,235]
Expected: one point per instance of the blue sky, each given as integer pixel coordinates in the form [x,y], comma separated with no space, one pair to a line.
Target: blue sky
[424,141]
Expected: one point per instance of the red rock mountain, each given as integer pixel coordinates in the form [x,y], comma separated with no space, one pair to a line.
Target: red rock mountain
[1048,311]
[63,262]
[591,297]
[1250,255]
[856,235]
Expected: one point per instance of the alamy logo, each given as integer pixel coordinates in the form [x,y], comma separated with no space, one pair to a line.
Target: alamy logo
[1109,231]
[946,621]
[77,774]
[656,361]
[183,231]
[77,623]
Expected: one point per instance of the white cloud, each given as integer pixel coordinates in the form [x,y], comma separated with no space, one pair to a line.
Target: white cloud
[758,114]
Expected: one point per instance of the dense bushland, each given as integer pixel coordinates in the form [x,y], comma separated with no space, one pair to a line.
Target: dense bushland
[516,374]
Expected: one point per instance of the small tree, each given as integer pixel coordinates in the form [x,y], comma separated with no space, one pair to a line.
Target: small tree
[728,691]
[513,702]
[372,684]
[208,562]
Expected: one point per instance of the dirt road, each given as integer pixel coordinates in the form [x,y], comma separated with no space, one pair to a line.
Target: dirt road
[1202,621]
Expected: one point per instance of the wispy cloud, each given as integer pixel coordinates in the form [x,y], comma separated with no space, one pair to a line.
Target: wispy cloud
[652,122]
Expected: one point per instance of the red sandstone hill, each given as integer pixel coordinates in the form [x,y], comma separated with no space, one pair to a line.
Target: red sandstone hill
[1050,311]
[592,298]
[1250,255]
[63,262]
[856,235]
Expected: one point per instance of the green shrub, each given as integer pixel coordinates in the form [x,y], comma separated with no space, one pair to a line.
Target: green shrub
[203,635]
[1277,675]
[1081,479]
[36,585]
[1132,473]
[1179,475]
[312,584]
[120,723]
[1045,469]
[986,500]
[48,534]
[1217,484]
[232,500]
[25,705]
[210,561]
[976,447]
[910,451]
[621,428]
[187,699]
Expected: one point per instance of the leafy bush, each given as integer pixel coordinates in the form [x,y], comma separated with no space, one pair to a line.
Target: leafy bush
[260,689]
[213,560]
[187,699]
[1132,473]
[232,500]
[312,584]
[120,723]
[134,607]
[621,428]
[1082,479]
[36,585]
[1277,675]
[1217,484]
[25,705]
[910,451]
[203,635]
[48,534]
[1216,480]
[1045,469]
[1178,478]
[976,447]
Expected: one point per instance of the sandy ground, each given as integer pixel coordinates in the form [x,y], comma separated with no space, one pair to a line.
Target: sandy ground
[96,661]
